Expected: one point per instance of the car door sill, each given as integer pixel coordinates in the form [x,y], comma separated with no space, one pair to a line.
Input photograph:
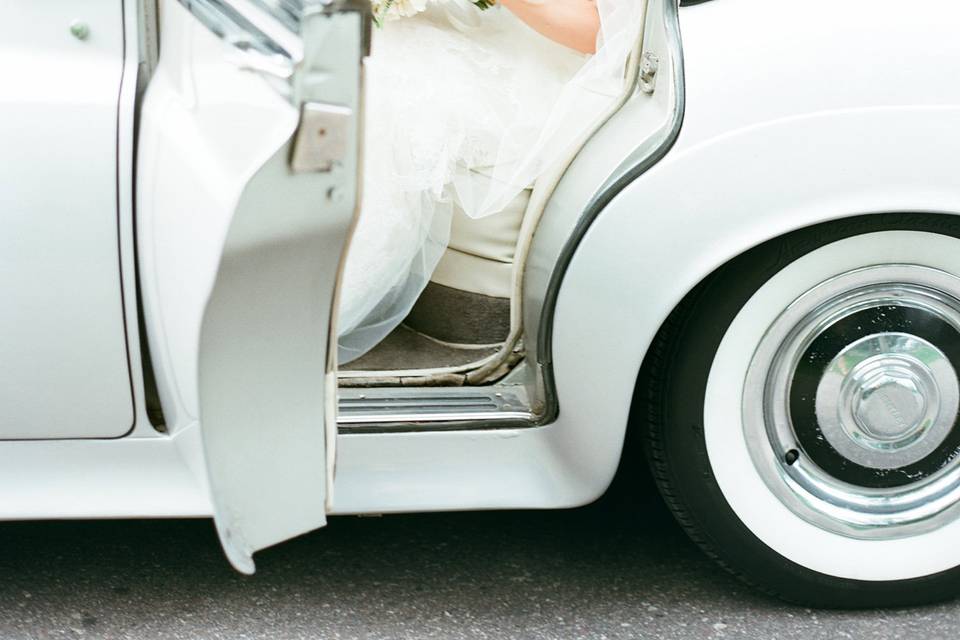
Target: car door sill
[393,409]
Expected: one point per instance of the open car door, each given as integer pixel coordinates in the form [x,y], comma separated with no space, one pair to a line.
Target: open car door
[249,133]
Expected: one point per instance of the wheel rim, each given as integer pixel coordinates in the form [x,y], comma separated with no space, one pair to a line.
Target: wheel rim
[851,403]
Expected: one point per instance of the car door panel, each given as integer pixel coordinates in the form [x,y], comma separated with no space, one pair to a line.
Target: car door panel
[221,126]
[62,336]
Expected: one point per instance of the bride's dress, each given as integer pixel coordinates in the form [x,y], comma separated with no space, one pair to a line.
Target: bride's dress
[464,109]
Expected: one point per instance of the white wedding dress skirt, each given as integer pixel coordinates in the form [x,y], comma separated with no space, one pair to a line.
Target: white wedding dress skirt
[464,109]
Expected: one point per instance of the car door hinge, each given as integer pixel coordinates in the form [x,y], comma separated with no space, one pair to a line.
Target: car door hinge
[649,64]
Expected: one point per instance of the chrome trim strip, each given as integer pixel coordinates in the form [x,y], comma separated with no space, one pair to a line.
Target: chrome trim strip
[386,409]
[254,30]
[287,12]
[445,425]
[268,27]
[426,418]
[629,170]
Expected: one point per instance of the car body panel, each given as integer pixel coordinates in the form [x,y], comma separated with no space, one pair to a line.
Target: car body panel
[63,308]
[750,165]
[831,121]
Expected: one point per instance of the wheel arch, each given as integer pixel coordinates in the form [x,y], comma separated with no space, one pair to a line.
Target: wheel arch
[673,320]
[707,203]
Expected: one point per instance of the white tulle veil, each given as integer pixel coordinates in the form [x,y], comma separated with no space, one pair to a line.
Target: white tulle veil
[463,110]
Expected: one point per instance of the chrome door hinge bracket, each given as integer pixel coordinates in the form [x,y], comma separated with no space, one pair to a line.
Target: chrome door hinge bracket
[649,63]
[322,139]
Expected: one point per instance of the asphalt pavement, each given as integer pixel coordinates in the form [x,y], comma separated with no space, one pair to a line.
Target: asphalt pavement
[618,569]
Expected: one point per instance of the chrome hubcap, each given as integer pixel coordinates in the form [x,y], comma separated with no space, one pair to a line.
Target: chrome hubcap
[887,400]
[851,402]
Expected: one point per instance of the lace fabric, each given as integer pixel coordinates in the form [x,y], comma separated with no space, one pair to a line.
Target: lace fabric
[463,109]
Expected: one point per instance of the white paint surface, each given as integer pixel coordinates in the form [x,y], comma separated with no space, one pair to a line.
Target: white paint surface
[63,358]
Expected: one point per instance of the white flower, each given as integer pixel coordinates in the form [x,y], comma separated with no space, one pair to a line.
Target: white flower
[410,7]
[384,10]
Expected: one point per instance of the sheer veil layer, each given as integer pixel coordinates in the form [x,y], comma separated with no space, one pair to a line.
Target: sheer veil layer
[464,109]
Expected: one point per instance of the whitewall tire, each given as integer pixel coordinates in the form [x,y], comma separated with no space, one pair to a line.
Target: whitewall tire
[803,412]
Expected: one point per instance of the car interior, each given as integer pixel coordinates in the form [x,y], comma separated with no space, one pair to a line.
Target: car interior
[462,318]
[465,330]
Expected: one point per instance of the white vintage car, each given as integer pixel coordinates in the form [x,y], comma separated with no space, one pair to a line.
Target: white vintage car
[752,264]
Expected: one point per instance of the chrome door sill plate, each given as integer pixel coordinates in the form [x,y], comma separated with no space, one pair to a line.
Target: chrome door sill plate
[433,409]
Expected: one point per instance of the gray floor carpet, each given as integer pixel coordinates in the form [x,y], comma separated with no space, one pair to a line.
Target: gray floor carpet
[408,349]
[459,316]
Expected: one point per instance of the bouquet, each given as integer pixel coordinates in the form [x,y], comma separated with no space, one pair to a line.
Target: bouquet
[385,10]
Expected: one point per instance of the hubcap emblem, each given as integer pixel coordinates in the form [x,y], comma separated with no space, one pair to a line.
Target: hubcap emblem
[890,405]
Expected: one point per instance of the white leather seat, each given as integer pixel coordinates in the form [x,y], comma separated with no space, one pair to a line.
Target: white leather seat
[479,257]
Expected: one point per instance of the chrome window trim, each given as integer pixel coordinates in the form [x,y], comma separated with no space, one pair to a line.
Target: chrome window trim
[287,12]
[268,34]
[265,31]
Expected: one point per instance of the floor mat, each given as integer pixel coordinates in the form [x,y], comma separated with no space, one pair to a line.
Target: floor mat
[408,349]
[459,316]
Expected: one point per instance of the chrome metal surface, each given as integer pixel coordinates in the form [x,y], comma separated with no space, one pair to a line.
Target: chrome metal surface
[266,42]
[423,409]
[649,65]
[888,400]
[267,35]
[322,138]
[287,12]
[885,401]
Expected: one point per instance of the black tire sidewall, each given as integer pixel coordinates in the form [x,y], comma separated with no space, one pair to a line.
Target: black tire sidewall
[683,469]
